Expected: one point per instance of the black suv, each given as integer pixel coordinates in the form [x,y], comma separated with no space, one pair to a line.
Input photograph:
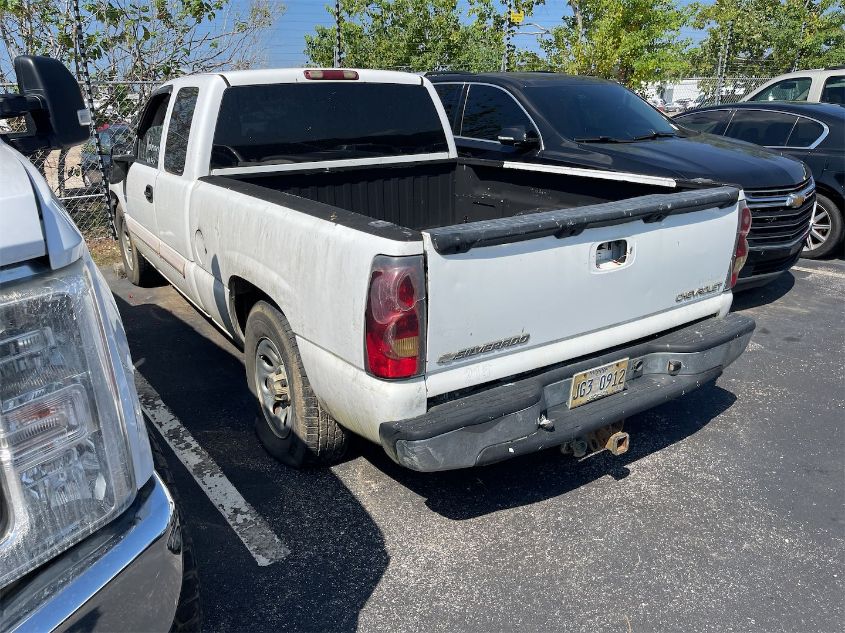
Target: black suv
[597,124]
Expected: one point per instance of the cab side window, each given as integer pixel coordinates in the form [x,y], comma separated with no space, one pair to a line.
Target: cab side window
[488,110]
[786,90]
[179,130]
[150,129]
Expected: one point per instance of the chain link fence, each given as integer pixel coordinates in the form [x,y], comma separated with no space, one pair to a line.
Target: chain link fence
[695,92]
[76,175]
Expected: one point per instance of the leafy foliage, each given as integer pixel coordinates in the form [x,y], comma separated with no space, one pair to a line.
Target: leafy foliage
[770,37]
[631,41]
[415,35]
[138,39]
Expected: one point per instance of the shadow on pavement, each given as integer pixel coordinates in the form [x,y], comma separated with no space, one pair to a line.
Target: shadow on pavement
[756,297]
[337,554]
[467,494]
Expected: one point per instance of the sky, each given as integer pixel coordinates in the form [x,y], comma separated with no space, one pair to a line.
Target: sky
[286,40]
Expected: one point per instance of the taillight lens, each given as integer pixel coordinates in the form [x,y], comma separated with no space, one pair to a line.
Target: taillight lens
[395,317]
[741,250]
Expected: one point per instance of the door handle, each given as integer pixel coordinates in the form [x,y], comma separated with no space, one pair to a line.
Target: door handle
[148,193]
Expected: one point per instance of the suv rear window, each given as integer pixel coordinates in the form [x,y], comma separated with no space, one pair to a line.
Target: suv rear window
[293,123]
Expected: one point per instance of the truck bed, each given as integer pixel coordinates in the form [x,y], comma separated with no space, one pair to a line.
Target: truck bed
[435,194]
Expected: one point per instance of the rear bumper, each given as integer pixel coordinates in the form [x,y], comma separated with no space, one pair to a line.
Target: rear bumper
[125,577]
[503,421]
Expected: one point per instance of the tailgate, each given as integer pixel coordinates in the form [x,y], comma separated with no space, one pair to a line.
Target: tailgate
[512,295]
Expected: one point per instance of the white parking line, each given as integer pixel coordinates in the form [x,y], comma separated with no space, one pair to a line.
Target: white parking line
[816,271]
[266,548]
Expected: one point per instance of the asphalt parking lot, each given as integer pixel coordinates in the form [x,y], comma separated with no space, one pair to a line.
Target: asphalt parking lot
[725,515]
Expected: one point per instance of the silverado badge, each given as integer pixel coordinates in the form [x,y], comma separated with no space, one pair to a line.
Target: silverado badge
[493,346]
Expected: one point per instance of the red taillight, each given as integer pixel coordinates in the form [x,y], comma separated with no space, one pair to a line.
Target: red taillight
[331,74]
[741,250]
[395,317]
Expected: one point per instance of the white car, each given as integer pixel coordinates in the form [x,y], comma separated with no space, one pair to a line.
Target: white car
[826,85]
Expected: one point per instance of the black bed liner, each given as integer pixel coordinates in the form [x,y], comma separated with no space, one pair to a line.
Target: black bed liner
[464,203]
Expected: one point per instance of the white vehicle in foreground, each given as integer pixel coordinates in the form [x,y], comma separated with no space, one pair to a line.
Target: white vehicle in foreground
[459,312]
[89,534]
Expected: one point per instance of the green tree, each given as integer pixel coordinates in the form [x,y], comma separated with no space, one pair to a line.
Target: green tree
[769,37]
[631,41]
[416,34]
[138,39]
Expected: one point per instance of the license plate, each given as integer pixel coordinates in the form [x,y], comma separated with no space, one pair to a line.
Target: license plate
[598,382]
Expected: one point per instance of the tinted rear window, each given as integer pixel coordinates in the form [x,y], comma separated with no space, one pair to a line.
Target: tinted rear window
[292,123]
[805,133]
[762,127]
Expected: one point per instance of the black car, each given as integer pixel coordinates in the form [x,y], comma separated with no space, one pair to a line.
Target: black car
[812,132]
[593,123]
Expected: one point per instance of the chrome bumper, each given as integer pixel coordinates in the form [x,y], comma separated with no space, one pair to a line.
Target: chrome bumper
[125,577]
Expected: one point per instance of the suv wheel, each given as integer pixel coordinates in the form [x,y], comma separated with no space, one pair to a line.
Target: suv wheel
[825,229]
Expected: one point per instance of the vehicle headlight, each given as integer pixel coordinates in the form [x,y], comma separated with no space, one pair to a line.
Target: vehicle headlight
[65,464]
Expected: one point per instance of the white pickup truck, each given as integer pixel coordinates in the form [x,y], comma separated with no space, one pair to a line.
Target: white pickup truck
[459,312]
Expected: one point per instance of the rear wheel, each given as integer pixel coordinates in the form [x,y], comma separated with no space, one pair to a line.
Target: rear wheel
[291,424]
[826,229]
[138,270]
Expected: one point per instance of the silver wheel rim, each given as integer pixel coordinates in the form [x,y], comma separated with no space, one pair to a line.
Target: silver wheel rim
[126,242]
[271,381]
[820,226]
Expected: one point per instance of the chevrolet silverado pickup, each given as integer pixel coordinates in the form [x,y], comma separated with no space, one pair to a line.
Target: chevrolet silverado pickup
[456,311]
[90,537]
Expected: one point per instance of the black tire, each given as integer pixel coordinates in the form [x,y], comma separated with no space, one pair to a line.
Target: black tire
[188,618]
[834,234]
[138,270]
[291,425]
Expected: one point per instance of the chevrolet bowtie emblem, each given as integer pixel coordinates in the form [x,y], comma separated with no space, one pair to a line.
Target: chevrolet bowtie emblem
[795,200]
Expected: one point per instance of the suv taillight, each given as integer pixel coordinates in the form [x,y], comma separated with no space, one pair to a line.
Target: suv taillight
[395,317]
[741,250]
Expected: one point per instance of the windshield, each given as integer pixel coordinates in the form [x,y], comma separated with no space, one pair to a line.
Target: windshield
[318,121]
[598,112]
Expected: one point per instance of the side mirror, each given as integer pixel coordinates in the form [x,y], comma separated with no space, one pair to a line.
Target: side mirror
[518,137]
[51,98]
[120,167]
